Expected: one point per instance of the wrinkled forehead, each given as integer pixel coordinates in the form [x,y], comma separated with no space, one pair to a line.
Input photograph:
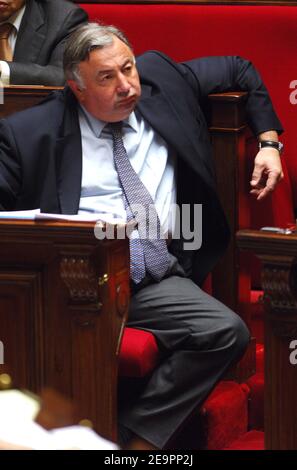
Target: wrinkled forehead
[114,55]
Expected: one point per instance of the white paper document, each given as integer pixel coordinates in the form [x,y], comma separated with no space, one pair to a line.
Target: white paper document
[17,427]
[35,214]
[19,214]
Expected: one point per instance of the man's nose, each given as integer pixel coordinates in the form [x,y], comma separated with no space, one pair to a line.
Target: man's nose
[123,84]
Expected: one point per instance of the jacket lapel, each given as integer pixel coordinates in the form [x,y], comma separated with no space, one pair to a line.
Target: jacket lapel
[69,158]
[32,33]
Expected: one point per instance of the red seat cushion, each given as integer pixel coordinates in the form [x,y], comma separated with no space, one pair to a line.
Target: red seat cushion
[225,414]
[252,440]
[219,422]
[256,309]
[256,299]
[256,403]
[260,358]
[139,353]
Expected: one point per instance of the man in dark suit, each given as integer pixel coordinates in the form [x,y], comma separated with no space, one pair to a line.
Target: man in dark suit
[109,137]
[35,40]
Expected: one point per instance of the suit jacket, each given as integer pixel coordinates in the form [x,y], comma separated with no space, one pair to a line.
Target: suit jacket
[41,152]
[38,54]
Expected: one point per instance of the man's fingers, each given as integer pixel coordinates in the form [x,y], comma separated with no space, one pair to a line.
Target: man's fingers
[257,175]
[272,179]
[259,179]
[267,172]
[264,181]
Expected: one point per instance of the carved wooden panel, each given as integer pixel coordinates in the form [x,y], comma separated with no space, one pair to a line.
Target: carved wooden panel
[278,285]
[21,320]
[85,351]
[80,278]
[279,277]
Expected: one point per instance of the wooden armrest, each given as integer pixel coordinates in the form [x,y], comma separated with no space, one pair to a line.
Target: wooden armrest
[20,97]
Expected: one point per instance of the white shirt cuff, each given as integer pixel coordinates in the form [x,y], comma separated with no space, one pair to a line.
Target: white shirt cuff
[5,72]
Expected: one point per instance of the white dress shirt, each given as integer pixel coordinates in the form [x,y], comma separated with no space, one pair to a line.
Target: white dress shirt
[149,155]
[16,20]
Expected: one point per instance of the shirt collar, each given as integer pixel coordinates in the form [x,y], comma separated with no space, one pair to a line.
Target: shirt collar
[16,18]
[97,125]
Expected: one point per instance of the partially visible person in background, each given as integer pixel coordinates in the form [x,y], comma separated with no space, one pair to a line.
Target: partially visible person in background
[32,36]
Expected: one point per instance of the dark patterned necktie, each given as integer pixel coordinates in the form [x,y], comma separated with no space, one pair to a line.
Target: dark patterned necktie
[5,49]
[148,252]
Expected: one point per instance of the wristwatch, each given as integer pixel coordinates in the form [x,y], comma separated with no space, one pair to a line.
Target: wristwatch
[273,144]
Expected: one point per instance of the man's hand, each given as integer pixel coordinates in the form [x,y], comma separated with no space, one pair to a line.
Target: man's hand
[267,168]
[267,172]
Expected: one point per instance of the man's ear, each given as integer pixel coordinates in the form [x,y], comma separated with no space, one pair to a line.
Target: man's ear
[76,89]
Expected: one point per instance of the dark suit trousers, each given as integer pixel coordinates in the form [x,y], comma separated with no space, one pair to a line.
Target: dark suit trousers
[199,339]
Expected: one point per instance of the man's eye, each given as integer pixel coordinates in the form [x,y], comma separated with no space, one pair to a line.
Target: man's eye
[104,78]
[128,69]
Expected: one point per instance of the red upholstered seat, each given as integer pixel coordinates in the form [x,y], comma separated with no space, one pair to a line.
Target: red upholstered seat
[252,440]
[256,403]
[256,392]
[226,413]
[139,353]
[222,418]
[187,31]
[260,357]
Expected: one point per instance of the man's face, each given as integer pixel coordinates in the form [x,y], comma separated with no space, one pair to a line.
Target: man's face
[111,82]
[8,7]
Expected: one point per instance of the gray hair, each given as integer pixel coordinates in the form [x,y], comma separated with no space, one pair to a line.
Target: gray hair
[82,41]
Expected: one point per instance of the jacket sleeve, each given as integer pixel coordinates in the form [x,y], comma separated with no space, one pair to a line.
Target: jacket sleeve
[10,170]
[232,73]
[52,73]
